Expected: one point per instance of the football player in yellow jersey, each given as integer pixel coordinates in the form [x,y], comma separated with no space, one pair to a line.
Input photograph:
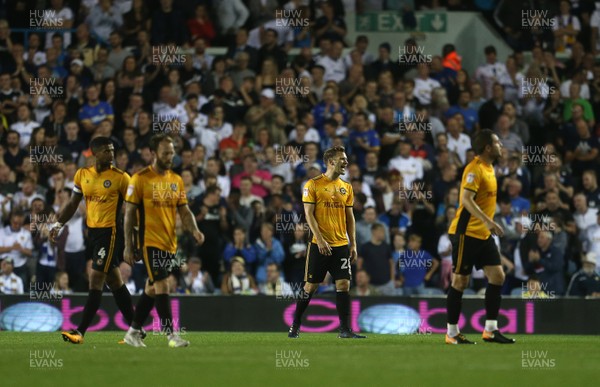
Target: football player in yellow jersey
[472,244]
[328,202]
[158,195]
[103,186]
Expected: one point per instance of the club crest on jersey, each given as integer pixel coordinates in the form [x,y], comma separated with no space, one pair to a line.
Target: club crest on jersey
[107,183]
[174,187]
[470,177]
[343,191]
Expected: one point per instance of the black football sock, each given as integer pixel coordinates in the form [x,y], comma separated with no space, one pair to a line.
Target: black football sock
[89,310]
[142,310]
[163,308]
[342,303]
[123,300]
[453,305]
[493,295]
[301,305]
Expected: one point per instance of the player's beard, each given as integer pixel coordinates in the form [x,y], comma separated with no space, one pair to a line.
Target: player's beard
[162,165]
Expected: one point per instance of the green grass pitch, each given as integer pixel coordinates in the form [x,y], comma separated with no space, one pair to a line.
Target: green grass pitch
[271,359]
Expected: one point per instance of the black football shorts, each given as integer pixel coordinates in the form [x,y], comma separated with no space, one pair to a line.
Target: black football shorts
[107,246]
[337,264]
[468,252]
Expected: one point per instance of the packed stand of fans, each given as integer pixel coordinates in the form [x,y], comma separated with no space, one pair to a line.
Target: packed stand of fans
[250,127]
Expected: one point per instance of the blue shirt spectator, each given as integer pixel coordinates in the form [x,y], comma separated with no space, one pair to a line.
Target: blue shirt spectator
[268,250]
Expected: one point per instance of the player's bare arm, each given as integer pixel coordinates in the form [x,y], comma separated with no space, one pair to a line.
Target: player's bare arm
[65,215]
[468,200]
[351,229]
[309,210]
[189,223]
[130,219]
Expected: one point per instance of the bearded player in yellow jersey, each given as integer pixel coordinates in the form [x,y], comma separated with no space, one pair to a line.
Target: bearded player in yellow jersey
[157,194]
[472,244]
[328,202]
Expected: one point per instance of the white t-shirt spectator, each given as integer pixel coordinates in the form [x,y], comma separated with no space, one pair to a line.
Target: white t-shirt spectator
[593,242]
[586,220]
[11,284]
[460,146]
[489,73]
[25,129]
[312,135]
[411,168]
[51,16]
[335,70]
[595,23]
[423,89]
[8,238]
[565,90]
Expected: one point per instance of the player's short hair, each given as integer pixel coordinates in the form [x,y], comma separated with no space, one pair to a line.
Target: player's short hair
[157,139]
[98,143]
[332,152]
[482,139]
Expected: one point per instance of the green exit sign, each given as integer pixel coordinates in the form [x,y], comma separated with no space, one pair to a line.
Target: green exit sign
[392,22]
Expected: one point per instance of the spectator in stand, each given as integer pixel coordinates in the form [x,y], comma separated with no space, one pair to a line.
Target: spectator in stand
[586,282]
[395,218]
[547,262]
[240,247]
[261,179]
[25,125]
[582,152]
[590,188]
[196,280]
[268,250]
[410,168]
[275,285]
[330,25]
[168,25]
[363,138]
[585,216]
[491,110]
[469,114]
[490,73]
[364,227]
[416,266]
[104,18]
[10,283]
[237,281]
[16,244]
[566,28]
[375,256]
[201,26]
[458,142]
[510,141]
[363,285]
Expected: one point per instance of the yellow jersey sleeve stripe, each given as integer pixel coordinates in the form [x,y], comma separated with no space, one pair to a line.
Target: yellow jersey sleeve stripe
[470,189]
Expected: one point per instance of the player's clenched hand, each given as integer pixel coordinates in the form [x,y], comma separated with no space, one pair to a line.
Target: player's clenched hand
[128,255]
[198,236]
[54,231]
[324,247]
[495,228]
[353,254]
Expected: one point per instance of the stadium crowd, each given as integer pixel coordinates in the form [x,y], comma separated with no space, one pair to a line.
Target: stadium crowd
[250,127]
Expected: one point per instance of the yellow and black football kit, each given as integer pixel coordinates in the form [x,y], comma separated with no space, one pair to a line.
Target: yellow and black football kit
[157,197]
[104,194]
[331,198]
[472,243]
